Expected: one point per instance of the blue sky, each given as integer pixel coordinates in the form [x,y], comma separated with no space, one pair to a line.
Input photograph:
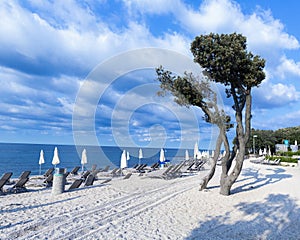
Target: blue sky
[49,48]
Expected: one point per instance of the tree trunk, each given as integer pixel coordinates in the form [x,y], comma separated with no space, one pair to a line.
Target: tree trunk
[227,181]
[208,177]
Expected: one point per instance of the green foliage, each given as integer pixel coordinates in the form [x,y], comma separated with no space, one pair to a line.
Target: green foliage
[267,138]
[226,60]
[288,153]
[191,91]
[284,159]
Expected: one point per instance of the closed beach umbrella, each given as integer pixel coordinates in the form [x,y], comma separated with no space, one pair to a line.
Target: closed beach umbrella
[260,153]
[199,155]
[265,151]
[83,158]
[140,155]
[269,152]
[162,156]
[55,159]
[41,160]
[127,156]
[187,157]
[196,150]
[123,163]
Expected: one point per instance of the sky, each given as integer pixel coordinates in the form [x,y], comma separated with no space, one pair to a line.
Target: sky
[76,71]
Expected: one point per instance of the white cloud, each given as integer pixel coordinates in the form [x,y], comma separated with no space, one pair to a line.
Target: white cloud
[275,95]
[152,6]
[212,16]
[288,66]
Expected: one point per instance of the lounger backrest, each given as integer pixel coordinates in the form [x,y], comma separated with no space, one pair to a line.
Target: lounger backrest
[6,176]
[136,165]
[106,168]
[85,174]
[106,181]
[48,172]
[25,174]
[89,180]
[168,170]
[21,183]
[155,165]
[49,179]
[128,175]
[76,184]
[4,179]
[94,167]
[75,170]
[114,170]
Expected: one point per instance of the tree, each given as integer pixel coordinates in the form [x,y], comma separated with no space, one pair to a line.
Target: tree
[226,60]
[190,90]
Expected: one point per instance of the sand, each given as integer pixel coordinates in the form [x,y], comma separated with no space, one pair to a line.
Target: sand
[265,204]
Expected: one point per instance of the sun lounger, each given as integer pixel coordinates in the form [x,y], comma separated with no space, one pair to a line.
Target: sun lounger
[257,160]
[76,183]
[36,182]
[94,167]
[105,169]
[106,181]
[48,180]
[48,172]
[4,179]
[154,166]
[89,180]
[115,172]
[85,175]
[128,175]
[135,165]
[160,173]
[19,186]
[174,172]
[74,171]
[25,174]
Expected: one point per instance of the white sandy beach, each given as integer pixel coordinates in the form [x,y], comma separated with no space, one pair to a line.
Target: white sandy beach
[265,204]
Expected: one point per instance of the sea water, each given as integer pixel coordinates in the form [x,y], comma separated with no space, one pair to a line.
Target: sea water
[17,157]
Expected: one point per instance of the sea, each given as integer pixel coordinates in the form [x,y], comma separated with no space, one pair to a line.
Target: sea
[19,157]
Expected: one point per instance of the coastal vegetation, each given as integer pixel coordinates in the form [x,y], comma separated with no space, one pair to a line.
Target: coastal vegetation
[225,60]
[268,138]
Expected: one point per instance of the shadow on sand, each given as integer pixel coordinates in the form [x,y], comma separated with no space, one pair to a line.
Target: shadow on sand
[256,180]
[275,217]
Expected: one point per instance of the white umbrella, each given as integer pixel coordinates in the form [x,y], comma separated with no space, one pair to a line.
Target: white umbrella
[265,151]
[140,155]
[123,163]
[162,156]
[127,156]
[187,157]
[83,158]
[269,151]
[260,153]
[41,160]
[196,150]
[55,159]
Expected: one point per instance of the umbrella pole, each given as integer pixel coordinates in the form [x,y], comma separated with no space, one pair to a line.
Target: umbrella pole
[40,169]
